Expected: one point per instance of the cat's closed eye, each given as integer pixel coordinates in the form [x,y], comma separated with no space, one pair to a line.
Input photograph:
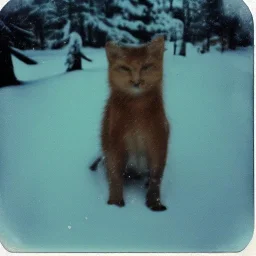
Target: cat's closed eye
[124,68]
[147,67]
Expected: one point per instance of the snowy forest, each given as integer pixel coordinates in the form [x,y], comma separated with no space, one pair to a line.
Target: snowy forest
[131,21]
[49,24]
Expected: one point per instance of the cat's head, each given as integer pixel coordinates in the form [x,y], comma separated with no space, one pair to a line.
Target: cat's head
[136,70]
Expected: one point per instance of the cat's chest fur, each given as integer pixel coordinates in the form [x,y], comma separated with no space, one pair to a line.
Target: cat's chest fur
[136,139]
[135,123]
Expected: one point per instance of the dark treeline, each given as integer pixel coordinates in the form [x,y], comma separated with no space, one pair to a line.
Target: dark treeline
[130,21]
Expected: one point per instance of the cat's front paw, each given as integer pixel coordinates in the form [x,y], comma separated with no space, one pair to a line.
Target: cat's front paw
[156,206]
[119,203]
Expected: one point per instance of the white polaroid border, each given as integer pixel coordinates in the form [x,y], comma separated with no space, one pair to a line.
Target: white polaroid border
[250,250]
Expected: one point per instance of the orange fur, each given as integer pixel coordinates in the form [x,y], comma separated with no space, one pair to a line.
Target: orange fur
[134,124]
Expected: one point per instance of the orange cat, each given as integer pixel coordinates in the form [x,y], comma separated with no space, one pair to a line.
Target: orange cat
[135,129]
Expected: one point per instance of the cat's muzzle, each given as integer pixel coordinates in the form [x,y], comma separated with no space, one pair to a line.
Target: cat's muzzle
[136,85]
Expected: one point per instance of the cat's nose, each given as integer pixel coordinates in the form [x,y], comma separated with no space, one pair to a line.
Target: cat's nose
[137,84]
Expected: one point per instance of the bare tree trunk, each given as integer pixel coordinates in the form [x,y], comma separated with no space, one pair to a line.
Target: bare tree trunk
[41,37]
[6,67]
[222,41]
[222,45]
[174,47]
[39,31]
[171,5]
[232,40]
[183,50]
[70,14]
[175,44]
[186,22]
[90,28]
[82,29]
[208,36]
[89,36]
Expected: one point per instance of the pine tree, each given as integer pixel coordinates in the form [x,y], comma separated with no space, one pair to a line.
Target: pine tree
[162,21]
[75,55]
[104,24]
[142,20]
[82,17]
[55,20]
[48,25]
[131,16]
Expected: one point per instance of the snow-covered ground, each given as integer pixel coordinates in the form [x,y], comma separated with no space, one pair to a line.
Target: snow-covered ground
[49,135]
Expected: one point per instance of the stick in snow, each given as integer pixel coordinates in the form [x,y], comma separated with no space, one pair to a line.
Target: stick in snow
[84,57]
[22,57]
[95,164]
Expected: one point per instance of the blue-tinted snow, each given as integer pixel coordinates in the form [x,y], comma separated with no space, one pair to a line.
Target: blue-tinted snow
[49,134]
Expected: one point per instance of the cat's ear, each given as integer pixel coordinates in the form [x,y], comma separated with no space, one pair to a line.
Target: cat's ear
[156,46]
[113,51]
